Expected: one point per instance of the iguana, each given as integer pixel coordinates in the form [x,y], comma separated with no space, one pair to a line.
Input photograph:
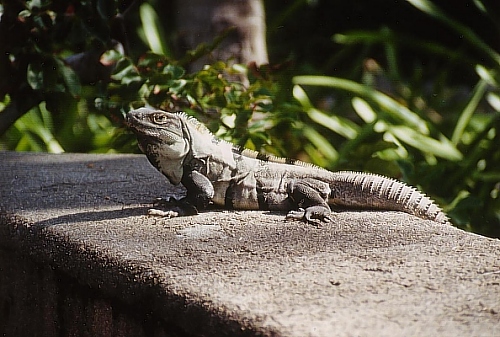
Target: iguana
[218,172]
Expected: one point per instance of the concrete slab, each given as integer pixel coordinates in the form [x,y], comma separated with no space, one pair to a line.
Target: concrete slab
[244,273]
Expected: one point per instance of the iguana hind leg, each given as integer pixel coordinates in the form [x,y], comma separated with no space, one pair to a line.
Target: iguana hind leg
[311,198]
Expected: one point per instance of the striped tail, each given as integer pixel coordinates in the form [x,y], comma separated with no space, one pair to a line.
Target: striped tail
[371,191]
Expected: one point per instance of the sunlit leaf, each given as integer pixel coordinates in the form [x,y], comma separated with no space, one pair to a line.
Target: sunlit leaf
[480,6]
[152,29]
[494,100]
[364,110]
[35,124]
[443,148]
[397,153]
[469,110]
[486,75]
[339,125]
[388,104]
[300,95]
[321,143]
[110,57]
[426,6]
[175,71]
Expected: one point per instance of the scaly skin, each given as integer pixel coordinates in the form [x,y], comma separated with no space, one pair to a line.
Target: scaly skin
[215,171]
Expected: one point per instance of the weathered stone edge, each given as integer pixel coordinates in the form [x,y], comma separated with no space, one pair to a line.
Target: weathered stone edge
[132,285]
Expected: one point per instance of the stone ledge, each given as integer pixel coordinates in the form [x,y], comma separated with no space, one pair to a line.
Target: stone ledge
[78,222]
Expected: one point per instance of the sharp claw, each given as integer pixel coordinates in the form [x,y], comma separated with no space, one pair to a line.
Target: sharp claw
[172,208]
[164,214]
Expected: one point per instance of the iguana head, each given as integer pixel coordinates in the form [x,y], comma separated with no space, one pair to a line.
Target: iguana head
[163,137]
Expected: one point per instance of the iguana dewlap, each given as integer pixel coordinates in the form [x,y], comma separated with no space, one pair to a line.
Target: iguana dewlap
[215,171]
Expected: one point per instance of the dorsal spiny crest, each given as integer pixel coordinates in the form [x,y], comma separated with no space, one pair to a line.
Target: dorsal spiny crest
[271,158]
[201,128]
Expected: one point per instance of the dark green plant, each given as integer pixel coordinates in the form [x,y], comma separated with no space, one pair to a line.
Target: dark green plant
[54,60]
[444,140]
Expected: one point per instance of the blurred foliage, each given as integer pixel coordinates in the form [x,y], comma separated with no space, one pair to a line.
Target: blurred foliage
[68,75]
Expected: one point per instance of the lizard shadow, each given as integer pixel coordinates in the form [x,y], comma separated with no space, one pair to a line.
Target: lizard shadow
[92,216]
[95,216]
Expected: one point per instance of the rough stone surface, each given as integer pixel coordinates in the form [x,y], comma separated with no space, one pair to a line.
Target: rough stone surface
[243,272]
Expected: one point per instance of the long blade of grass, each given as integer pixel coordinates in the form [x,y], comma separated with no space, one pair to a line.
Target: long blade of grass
[364,110]
[341,126]
[468,34]
[389,105]
[32,123]
[466,115]
[494,101]
[442,148]
[322,145]
[412,42]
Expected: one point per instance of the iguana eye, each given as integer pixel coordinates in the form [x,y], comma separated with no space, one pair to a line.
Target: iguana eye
[160,118]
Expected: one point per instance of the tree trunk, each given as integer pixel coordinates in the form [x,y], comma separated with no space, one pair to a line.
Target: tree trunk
[200,21]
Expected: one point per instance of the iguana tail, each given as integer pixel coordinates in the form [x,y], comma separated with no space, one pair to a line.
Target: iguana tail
[371,191]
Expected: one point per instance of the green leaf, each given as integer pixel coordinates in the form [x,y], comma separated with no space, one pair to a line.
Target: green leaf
[487,75]
[443,148]
[480,6]
[399,151]
[37,122]
[388,104]
[111,56]
[466,115]
[300,95]
[153,30]
[322,145]
[176,71]
[177,85]
[364,110]
[341,126]
[70,78]
[126,72]
[338,125]
[493,177]
[494,101]
[35,76]
[464,31]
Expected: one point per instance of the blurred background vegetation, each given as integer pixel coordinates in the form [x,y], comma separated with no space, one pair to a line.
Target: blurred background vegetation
[409,89]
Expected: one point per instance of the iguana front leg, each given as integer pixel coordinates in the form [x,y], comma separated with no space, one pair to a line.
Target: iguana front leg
[200,192]
[311,198]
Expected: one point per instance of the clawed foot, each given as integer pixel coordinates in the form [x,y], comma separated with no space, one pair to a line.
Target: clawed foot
[164,214]
[172,208]
[310,214]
